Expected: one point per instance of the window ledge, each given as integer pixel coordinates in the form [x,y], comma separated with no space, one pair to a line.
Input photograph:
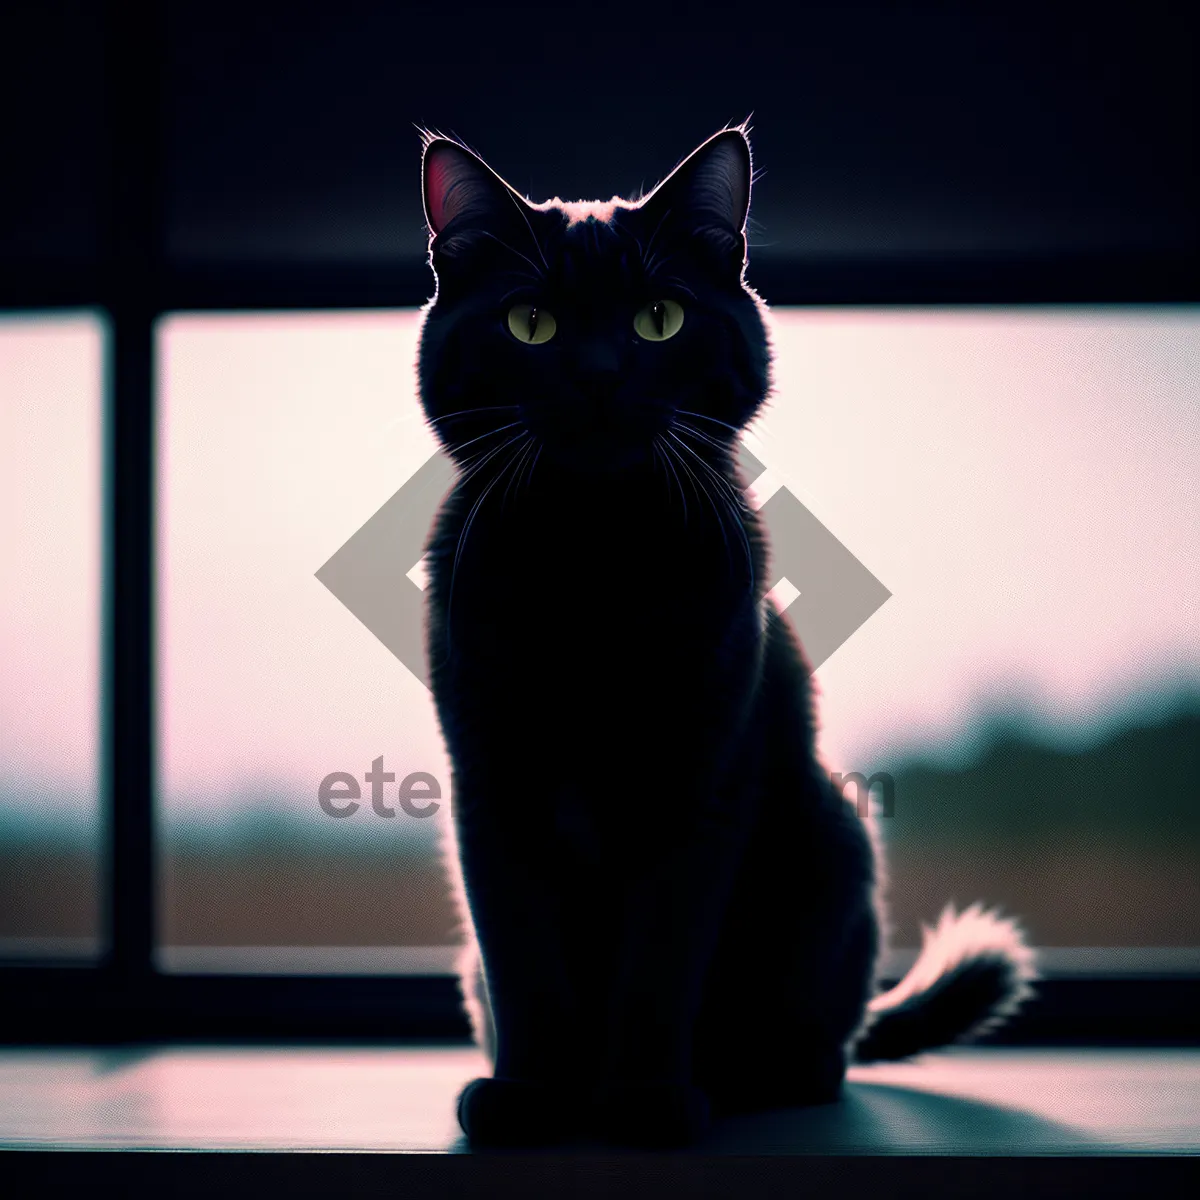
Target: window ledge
[971,1101]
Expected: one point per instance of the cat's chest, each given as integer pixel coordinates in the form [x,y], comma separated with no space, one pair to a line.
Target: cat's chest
[594,636]
[606,625]
[606,585]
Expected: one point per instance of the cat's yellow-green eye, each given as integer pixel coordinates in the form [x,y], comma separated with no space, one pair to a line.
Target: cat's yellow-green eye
[659,320]
[531,325]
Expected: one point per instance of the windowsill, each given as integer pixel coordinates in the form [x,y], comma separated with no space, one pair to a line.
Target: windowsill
[961,1102]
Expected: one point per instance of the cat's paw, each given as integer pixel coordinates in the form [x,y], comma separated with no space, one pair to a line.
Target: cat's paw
[654,1115]
[514,1112]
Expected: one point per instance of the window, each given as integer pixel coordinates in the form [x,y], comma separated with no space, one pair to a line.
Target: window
[1014,477]
[51,371]
[1023,483]
[1019,480]
[281,435]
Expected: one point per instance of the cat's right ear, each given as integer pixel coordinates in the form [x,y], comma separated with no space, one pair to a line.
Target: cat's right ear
[459,189]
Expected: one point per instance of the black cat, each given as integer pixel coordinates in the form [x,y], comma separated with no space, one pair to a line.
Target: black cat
[676,913]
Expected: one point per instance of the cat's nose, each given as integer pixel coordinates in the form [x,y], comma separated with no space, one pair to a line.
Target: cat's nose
[600,372]
[600,385]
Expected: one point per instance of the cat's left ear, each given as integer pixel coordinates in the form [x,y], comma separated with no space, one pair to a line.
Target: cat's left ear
[709,192]
[463,197]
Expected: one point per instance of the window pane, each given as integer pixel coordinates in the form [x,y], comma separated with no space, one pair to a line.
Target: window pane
[51,386]
[1023,482]
[1020,481]
[280,436]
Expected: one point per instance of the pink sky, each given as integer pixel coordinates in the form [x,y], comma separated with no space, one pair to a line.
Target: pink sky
[1022,481]
[50,403]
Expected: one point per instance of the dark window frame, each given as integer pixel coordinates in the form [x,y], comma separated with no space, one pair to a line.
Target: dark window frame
[123,997]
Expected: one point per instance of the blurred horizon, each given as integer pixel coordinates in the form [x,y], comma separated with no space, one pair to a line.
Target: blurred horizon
[34,808]
[988,825]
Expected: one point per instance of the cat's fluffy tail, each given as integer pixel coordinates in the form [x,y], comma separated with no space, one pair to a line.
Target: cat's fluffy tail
[973,970]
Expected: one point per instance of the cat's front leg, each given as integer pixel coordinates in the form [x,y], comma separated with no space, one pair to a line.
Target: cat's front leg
[531,1097]
[674,897]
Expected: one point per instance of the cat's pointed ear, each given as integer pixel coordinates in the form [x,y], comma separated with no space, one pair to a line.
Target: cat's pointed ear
[709,192]
[457,185]
[714,180]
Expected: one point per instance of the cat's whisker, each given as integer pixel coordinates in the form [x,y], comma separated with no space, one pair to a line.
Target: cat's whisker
[466,412]
[482,459]
[513,250]
[490,433]
[678,481]
[729,488]
[533,467]
[701,487]
[715,443]
[657,455]
[466,459]
[723,449]
[524,457]
[684,464]
[745,542]
[533,462]
[466,529]
[689,473]
[705,417]
[669,473]
[525,217]
[417,414]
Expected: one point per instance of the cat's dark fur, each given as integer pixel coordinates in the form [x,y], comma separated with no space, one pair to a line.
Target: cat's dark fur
[676,913]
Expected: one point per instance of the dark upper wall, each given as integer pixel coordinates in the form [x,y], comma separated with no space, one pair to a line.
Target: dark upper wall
[888,130]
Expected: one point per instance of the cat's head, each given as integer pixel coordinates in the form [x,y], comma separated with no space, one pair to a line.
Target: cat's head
[590,329]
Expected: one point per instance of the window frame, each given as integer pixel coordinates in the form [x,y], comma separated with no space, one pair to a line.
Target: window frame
[123,996]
